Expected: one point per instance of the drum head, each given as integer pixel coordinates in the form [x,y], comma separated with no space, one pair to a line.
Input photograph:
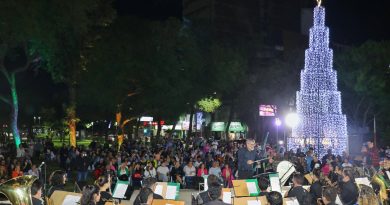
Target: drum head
[285,170]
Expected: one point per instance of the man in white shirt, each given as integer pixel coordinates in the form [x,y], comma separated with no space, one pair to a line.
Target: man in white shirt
[215,169]
[198,162]
[189,170]
[163,172]
[190,173]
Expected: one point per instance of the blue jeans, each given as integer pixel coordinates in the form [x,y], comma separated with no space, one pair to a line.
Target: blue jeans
[82,176]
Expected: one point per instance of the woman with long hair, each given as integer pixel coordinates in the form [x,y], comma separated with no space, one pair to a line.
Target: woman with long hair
[104,183]
[90,195]
[227,176]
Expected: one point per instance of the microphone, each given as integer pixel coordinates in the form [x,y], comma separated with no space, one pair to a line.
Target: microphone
[40,166]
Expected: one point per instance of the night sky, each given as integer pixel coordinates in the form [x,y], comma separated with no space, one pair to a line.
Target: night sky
[350,21]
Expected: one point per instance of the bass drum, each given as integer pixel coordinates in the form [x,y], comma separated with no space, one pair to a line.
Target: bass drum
[285,170]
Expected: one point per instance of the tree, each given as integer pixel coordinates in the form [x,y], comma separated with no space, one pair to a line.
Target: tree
[364,72]
[71,29]
[57,33]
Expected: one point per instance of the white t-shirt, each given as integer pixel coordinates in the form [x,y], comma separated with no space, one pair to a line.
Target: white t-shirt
[150,173]
[189,171]
[163,173]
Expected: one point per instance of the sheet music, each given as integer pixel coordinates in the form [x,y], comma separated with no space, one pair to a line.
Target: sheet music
[120,191]
[251,187]
[227,197]
[171,192]
[364,181]
[254,202]
[159,189]
[292,201]
[275,184]
[71,200]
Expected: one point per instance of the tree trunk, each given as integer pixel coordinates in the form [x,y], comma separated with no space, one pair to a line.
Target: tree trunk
[158,127]
[190,126]
[15,110]
[231,111]
[72,115]
[137,128]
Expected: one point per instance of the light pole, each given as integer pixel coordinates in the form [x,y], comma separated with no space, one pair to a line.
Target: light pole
[292,120]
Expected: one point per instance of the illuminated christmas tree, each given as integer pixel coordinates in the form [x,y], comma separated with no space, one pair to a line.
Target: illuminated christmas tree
[321,122]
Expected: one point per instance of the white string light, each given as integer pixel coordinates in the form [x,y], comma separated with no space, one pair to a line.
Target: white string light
[322,124]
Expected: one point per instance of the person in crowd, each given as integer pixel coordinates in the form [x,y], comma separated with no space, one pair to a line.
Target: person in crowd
[90,195]
[82,167]
[36,193]
[263,185]
[163,172]
[136,177]
[346,163]
[177,173]
[309,159]
[303,197]
[374,154]
[17,172]
[104,183]
[202,170]
[189,169]
[190,173]
[34,171]
[329,196]
[57,181]
[246,158]
[274,198]
[215,169]
[145,196]
[123,172]
[227,176]
[215,194]
[315,163]
[349,191]
[316,186]
[198,162]
[327,157]
[150,171]
[204,197]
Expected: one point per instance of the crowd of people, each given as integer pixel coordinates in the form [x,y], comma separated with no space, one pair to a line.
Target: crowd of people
[187,162]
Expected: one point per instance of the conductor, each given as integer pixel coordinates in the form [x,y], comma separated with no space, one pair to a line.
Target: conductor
[246,157]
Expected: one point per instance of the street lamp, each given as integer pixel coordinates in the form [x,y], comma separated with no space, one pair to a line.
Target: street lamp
[292,120]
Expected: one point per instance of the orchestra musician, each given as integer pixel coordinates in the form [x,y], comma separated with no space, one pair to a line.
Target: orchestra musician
[316,187]
[104,184]
[36,193]
[90,195]
[246,158]
[57,181]
[349,191]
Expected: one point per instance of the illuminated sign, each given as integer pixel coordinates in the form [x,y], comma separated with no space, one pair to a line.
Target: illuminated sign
[267,110]
[146,119]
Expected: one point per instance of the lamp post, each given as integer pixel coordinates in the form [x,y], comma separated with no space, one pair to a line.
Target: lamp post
[292,120]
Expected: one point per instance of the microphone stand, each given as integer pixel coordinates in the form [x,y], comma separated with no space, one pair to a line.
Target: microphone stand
[44,176]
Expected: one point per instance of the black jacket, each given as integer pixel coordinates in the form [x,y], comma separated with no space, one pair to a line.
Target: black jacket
[36,201]
[349,193]
[301,194]
[315,191]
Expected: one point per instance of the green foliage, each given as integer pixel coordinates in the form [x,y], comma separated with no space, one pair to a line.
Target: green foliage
[365,83]
[163,62]
[209,104]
